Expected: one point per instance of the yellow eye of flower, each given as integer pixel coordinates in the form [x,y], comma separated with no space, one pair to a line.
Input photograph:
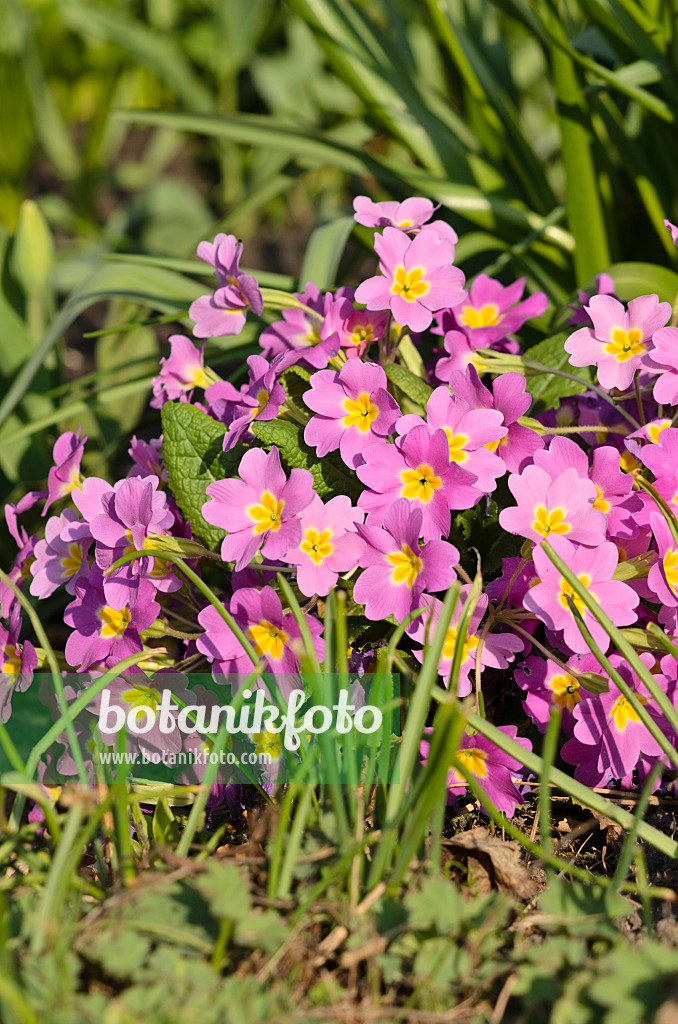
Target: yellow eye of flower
[268,515]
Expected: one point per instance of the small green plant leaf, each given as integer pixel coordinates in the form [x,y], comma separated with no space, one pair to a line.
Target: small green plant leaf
[417,390]
[225,888]
[330,475]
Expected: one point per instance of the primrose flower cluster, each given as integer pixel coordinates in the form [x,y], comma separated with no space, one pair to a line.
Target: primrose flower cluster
[409,389]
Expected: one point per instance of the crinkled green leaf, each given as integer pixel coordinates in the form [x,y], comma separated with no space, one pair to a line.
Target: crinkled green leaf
[548,388]
[225,888]
[417,390]
[330,475]
[194,458]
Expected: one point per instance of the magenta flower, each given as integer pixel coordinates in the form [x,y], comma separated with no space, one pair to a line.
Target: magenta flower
[183,371]
[594,568]
[470,433]
[553,507]
[397,570]
[21,569]
[416,279]
[497,651]
[674,231]
[417,468]
[134,517]
[62,556]
[409,216]
[353,409]
[618,339]
[662,358]
[352,329]
[225,312]
[274,635]
[261,509]
[297,336]
[147,458]
[663,575]
[329,544]
[64,476]
[102,633]
[580,318]
[489,766]
[135,690]
[18,662]
[490,310]
[548,686]
[460,355]
[260,399]
[610,725]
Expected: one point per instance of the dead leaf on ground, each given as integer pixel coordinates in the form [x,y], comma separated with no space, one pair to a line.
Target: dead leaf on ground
[498,862]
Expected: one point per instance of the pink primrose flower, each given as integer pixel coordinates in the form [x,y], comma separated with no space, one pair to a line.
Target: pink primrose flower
[353,329]
[416,278]
[490,310]
[18,662]
[353,410]
[259,399]
[618,339]
[397,570]
[329,544]
[299,337]
[225,312]
[548,686]
[261,509]
[594,568]
[183,371]
[409,216]
[662,358]
[64,476]
[61,558]
[580,318]
[553,507]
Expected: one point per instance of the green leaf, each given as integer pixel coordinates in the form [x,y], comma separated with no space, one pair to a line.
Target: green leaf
[417,390]
[570,902]
[330,475]
[437,905]
[165,826]
[546,387]
[633,279]
[324,252]
[225,888]
[194,458]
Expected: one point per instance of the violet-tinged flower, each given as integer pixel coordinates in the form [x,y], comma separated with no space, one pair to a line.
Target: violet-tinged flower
[259,510]
[470,433]
[64,476]
[548,687]
[181,372]
[353,329]
[147,458]
[662,577]
[618,339]
[460,355]
[489,766]
[135,690]
[417,468]
[102,633]
[662,459]
[594,568]
[329,544]
[134,516]
[416,279]
[353,409]
[611,726]
[225,312]
[662,358]
[498,649]
[397,570]
[516,579]
[580,318]
[259,399]
[297,337]
[62,556]
[274,634]
[674,231]
[553,507]
[409,216]
[21,569]
[18,662]
[490,310]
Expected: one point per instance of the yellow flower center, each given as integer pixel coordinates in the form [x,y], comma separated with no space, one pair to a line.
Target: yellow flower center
[622,712]
[407,566]
[567,590]
[628,463]
[114,622]
[362,335]
[655,429]
[73,560]
[268,639]
[268,743]
[565,690]
[486,316]
[546,523]
[625,344]
[262,399]
[419,483]
[409,284]
[268,515]
[142,697]
[12,663]
[197,378]
[600,503]
[474,762]
[317,545]
[456,444]
[670,563]
[360,412]
[470,644]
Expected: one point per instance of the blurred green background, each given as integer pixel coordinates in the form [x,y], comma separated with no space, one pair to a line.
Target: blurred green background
[546,131]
